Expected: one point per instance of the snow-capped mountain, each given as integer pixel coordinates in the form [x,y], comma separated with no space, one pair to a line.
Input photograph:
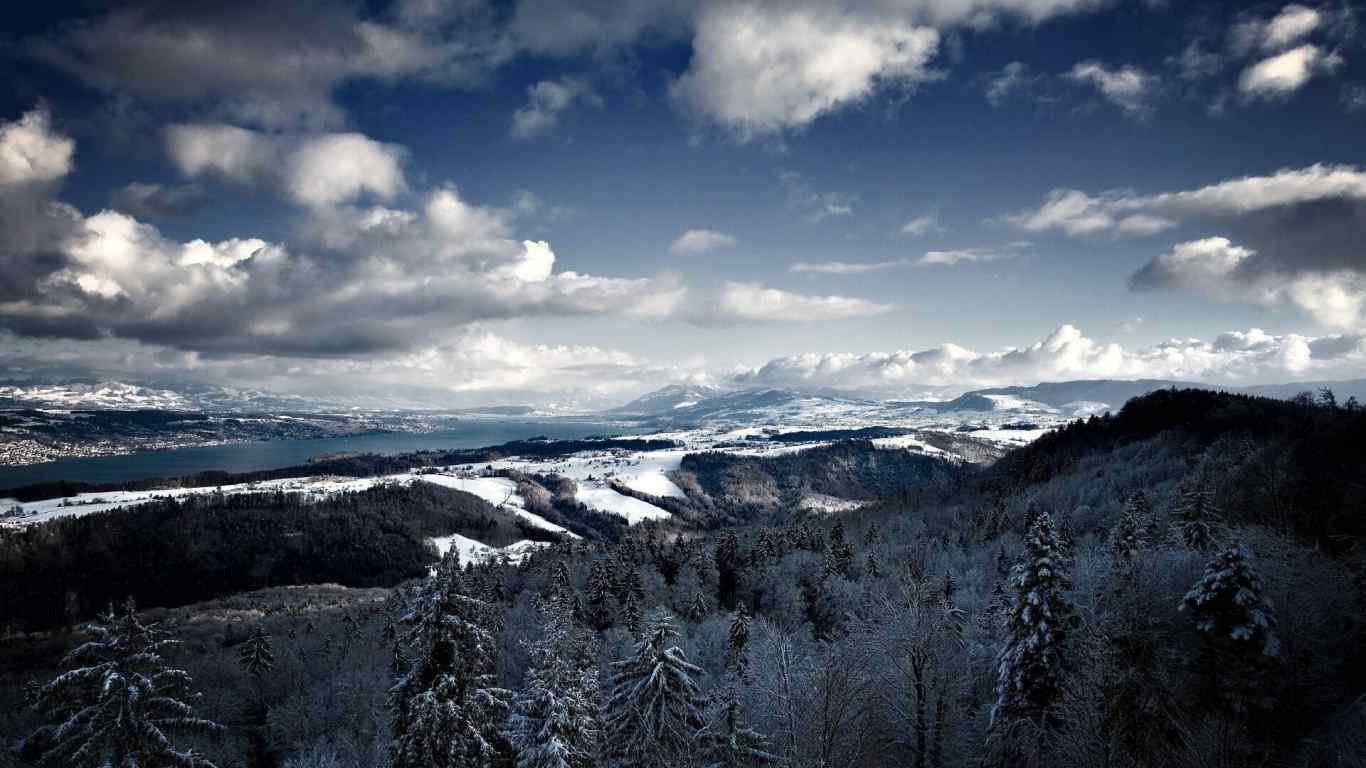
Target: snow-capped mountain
[124,395]
[670,399]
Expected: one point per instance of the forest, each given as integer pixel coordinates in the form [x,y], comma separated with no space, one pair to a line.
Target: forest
[1181,583]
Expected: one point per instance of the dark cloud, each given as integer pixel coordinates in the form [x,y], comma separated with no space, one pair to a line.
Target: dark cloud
[152,201]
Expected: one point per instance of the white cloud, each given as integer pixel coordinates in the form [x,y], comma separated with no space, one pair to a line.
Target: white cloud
[921,226]
[1293,23]
[754,302]
[31,152]
[700,241]
[971,255]
[846,267]
[546,101]
[309,169]
[761,69]
[1234,358]
[1286,72]
[1128,87]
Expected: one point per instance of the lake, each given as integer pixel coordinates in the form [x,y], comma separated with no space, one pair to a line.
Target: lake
[248,457]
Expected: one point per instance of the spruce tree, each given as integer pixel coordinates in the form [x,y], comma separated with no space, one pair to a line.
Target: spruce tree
[840,555]
[555,721]
[737,637]
[727,557]
[257,657]
[1230,608]
[599,596]
[699,607]
[1032,666]
[655,709]
[117,702]
[1126,539]
[446,711]
[630,613]
[1199,516]
[727,741]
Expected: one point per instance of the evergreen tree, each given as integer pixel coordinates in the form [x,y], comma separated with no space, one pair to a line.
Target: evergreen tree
[599,596]
[840,555]
[1126,539]
[1228,604]
[555,722]
[1198,519]
[699,607]
[737,637]
[630,613]
[257,656]
[727,741]
[727,557]
[117,701]
[446,711]
[655,709]
[1032,666]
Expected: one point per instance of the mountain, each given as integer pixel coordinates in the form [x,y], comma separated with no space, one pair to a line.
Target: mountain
[112,395]
[667,400]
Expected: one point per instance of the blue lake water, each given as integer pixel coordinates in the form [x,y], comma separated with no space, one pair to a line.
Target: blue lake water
[247,457]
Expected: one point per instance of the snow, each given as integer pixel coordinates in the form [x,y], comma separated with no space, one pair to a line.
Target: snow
[500,492]
[611,502]
[472,551]
[819,502]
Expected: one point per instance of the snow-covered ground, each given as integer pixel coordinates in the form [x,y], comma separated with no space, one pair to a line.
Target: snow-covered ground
[608,500]
[472,551]
[500,492]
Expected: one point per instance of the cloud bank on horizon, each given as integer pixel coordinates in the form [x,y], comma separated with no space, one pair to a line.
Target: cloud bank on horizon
[324,198]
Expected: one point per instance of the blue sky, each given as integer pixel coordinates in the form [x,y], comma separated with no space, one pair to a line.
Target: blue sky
[458,202]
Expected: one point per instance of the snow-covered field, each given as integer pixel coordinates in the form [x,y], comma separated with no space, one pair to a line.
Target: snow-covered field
[472,551]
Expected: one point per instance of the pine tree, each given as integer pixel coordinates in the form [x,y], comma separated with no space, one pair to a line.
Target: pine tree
[1126,539]
[655,709]
[727,741]
[1032,665]
[555,721]
[117,700]
[630,613]
[727,557]
[257,657]
[737,637]
[840,555]
[446,711]
[699,608]
[1198,519]
[599,596]
[1228,604]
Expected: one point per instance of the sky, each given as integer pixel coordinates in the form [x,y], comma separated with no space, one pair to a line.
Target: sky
[462,202]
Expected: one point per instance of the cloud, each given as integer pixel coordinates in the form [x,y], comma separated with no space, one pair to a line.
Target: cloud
[1290,236]
[846,267]
[308,169]
[700,241]
[814,206]
[1287,72]
[951,258]
[358,280]
[30,152]
[761,69]
[1128,87]
[1293,23]
[921,226]
[149,201]
[754,302]
[1238,357]
[274,64]
[546,101]
[1015,77]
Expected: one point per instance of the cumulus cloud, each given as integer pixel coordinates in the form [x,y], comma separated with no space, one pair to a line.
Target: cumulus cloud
[361,280]
[1235,357]
[31,152]
[1285,73]
[1290,236]
[1128,87]
[760,69]
[700,241]
[546,101]
[308,169]
[1015,77]
[755,302]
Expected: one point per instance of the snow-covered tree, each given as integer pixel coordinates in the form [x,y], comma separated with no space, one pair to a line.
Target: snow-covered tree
[1032,666]
[1228,603]
[840,556]
[630,613]
[446,710]
[1126,538]
[599,596]
[737,637]
[655,709]
[1199,517]
[699,607]
[257,657]
[555,721]
[117,703]
[729,742]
